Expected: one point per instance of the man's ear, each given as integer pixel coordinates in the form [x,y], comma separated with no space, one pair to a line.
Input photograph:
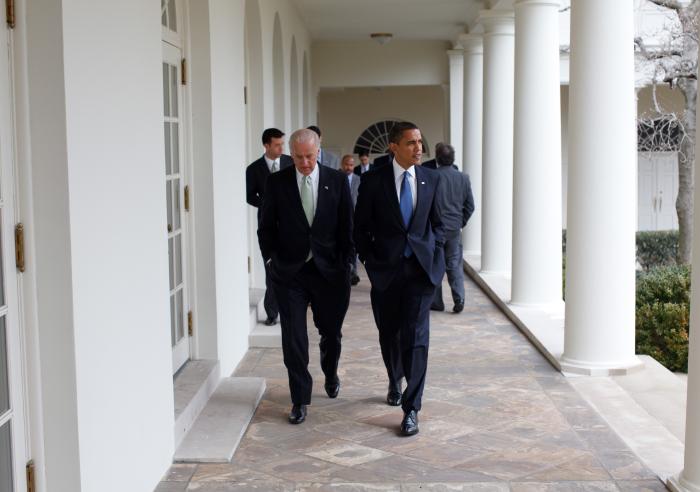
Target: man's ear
[393,147]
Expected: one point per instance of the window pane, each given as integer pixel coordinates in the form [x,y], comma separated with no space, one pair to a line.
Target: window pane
[176,147]
[180,312]
[166,90]
[5,459]
[164,14]
[171,256]
[2,276]
[173,16]
[173,90]
[4,381]
[168,158]
[172,321]
[177,258]
[176,204]
[169,198]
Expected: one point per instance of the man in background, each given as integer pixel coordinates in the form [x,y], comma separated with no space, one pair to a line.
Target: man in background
[347,166]
[256,175]
[364,164]
[455,206]
[325,157]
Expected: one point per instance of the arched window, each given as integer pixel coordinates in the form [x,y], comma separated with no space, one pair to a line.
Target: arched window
[375,139]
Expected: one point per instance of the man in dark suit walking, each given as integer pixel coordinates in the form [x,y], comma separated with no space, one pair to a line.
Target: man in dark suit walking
[347,166]
[399,238]
[305,238]
[364,164]
[256,175]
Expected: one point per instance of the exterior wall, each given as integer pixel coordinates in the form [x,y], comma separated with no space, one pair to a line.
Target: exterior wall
[345,114]
[367,64]
[101,266]
[670,101]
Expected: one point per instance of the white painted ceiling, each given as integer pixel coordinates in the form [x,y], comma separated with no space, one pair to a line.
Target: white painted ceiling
[405,19]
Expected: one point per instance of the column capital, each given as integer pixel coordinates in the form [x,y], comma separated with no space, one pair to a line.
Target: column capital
[544,3]
[473,44]
[497,22]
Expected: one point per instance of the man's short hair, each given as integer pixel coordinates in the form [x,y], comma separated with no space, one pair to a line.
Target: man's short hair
[315,129]
[363,153]
[304,136]
[271,133]
[397,130]
[346,157]
[445,155]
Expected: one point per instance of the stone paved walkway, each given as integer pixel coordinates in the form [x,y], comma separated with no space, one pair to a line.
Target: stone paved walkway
[496,417]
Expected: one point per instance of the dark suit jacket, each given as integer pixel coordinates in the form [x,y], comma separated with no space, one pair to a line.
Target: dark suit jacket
[285,235]
[382,160]
[358,169]
[431,164]
[255,177]
[380,234]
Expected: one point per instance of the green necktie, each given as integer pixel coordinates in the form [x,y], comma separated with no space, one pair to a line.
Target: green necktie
[307,199]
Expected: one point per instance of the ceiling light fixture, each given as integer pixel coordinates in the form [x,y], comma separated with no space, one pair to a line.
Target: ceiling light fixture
[381,37]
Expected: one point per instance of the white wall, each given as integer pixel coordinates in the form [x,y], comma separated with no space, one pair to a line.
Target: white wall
[368,64]
[346,113]
[101,267]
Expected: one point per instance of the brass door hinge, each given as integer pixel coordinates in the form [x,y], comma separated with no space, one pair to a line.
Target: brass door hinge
[245,94]
[31,486]
[183,72]
[190,323]
[10,13]
[249,264]
[19,247]
[187,198]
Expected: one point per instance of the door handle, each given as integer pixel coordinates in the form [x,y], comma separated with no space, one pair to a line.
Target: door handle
[654,204]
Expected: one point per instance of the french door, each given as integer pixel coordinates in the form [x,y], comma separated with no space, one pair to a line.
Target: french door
[658,190]
[175,189]
[13,434]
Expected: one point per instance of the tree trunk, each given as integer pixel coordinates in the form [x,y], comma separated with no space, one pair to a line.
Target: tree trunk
[686,168]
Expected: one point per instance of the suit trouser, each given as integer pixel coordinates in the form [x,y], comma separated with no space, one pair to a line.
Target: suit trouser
[329,304]
[270,301]
[402,314]
[454,268]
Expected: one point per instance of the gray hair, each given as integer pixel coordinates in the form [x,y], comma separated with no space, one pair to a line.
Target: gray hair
[304,136]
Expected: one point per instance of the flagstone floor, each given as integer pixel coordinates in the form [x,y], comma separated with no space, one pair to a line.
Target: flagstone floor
[496,417]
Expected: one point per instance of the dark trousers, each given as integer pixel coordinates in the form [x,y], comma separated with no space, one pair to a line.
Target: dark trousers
[454,268]
[402,315]
[270,302]
[329,304]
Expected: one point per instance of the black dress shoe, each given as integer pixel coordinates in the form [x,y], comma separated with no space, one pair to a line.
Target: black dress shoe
[332,387]
[393,396]
[298,414]
[409,424]
[354,280]
[271,321]
[459,307]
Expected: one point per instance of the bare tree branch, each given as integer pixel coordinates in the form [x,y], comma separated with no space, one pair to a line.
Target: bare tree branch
[669,4]
[656,54]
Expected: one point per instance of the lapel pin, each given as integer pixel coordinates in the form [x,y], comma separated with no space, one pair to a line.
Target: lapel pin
[325,187]
[422,182]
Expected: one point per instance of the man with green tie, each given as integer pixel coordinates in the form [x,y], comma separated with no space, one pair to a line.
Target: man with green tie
[305,236]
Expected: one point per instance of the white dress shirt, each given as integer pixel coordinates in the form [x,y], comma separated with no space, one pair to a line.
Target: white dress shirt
[314,184]
[363,168]
[270,162]
[398,181]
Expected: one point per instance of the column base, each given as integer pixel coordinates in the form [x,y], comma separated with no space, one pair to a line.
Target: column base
[679,484]
[584,368]
[555,308]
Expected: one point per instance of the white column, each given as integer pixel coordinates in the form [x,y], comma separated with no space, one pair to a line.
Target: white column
[497,185]
[689,478]
[473,45]
[537,155]
[456,57]
[602,193]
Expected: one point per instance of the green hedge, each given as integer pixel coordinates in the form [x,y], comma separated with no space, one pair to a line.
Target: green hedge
[657,248]
[662,315]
